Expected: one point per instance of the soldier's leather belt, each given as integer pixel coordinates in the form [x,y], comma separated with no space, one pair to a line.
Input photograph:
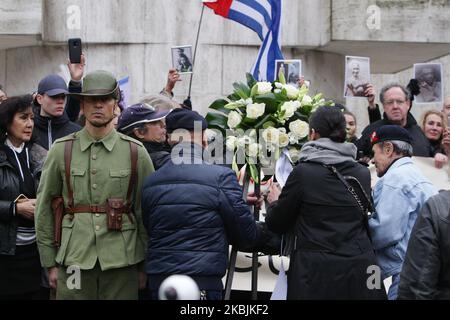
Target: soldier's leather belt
[90,209]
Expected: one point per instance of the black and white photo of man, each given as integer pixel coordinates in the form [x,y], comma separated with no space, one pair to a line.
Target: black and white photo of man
[182,59]
[429,77]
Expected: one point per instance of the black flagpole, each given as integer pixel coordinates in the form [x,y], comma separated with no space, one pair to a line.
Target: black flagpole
[195,49]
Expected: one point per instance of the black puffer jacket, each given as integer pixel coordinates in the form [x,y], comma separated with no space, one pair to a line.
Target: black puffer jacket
[333,249]
[426,270]
[421,145]
[59,126]
[192,212]
[159,153]
[9,190]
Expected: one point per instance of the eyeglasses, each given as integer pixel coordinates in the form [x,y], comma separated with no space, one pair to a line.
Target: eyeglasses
[391,102]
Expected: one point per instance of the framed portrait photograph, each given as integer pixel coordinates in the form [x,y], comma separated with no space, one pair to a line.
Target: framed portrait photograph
[182,59]
[429,77]
[357,76]
[292,70]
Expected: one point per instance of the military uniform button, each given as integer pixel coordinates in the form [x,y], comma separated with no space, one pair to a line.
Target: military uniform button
[94,171]
[94,186]
[94,157]
[97,228]
[97,215]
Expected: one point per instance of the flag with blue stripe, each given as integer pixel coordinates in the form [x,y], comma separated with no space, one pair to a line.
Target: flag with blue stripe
[263,17]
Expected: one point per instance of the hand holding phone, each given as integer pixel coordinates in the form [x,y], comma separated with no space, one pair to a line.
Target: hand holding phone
[75,50]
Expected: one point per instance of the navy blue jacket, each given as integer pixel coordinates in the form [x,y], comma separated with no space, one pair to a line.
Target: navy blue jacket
[192,212]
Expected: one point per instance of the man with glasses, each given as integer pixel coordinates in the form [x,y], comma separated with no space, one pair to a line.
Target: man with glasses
[395,100]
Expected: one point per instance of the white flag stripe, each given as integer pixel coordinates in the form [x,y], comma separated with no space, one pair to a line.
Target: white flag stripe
[251,13]
[267,6]
[263,64]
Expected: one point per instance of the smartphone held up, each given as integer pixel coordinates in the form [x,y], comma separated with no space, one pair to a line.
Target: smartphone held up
[75,50]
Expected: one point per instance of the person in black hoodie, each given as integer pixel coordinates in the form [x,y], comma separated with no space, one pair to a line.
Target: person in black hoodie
[396,104]
[51,119]
[146,124]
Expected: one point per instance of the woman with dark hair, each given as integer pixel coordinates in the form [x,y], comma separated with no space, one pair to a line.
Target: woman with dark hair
[350,120]
[332,250]
[20,164]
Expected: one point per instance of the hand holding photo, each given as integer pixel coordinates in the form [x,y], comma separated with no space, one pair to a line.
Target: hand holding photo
[182,59]
[357,76]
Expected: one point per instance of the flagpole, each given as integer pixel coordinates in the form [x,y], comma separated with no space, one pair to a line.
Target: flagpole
[195,49]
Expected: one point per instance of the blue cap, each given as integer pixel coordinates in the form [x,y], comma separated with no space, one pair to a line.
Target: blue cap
[390,133]
[184,119]
[52,85]
[136,115]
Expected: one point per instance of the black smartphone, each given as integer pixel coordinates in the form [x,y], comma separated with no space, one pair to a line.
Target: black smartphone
[75,50]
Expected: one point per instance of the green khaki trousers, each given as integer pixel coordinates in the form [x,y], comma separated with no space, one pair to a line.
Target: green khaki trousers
[95,284]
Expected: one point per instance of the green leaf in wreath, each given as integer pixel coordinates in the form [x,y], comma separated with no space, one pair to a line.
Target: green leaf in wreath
[219,105]
[242,90]
[251,81]
[254,91]
[217,120]
[253,172]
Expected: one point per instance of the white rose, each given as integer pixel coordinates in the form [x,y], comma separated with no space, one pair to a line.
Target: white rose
[243,141]
[289,107]
[307,100]
[293,139]
[299,128]
[294,154]
[253,150]
[264,87]
[255,110]
[270,135]
[292,92]
[231,143]
[234,119]
[283,140]
[278,85]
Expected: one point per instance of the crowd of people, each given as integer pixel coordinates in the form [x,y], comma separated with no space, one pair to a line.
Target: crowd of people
[123,197]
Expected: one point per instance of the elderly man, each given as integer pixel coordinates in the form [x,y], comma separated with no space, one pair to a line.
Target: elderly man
[92,180]
[395,100]
[148,125]
[398,196]
[192,211]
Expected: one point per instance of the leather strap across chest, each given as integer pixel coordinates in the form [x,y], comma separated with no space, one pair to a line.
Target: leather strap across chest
[96,208]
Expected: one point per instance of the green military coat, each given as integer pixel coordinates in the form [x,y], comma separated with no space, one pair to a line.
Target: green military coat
[99,170]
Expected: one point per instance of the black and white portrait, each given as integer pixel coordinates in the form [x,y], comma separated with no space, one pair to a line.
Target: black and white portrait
[429,77]
[182,59]
[357,76]
[292,70]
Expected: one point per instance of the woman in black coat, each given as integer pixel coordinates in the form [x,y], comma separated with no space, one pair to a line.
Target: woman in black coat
[332,250]
[20,162]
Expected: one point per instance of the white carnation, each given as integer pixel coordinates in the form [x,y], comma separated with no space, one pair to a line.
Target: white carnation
[270,135]
[307,100]
[264,87]
[289,107]
[243,141]
[293,139]
[294,154]
[231,143]
[234,119]
[299,128]
[283,140]
[278,85]
[255,110]
[253,150]
[292,92]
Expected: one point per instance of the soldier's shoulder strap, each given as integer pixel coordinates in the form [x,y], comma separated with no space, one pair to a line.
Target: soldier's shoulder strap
[131,140]
[133,177]
[70,137]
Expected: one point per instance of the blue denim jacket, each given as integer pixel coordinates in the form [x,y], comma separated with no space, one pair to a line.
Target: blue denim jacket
[398,196]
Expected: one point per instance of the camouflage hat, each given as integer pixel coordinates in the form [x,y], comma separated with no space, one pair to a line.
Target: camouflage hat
[99,84]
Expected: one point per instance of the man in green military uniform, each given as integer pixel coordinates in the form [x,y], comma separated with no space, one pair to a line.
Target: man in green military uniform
[100,235]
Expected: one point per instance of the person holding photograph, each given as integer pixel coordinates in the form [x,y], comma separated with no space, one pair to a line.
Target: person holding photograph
[20,166]
[355,84]
[430,86]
